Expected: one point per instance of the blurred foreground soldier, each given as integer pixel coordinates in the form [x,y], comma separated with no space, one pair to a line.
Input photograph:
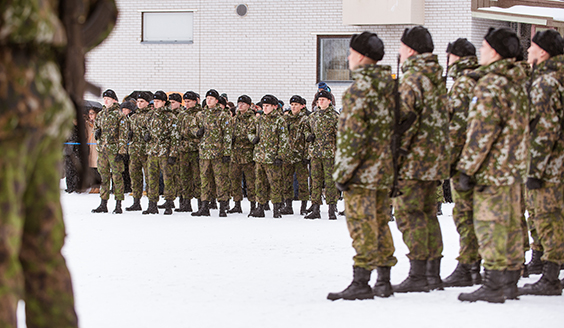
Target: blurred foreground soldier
[463,60]
[111,132]
[425,147]
[498,125]
[242,162]
[363,166]
[321,130]
[546,156]
[36,115]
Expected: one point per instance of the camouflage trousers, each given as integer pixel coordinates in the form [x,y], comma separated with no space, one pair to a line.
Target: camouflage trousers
[322,172]
[268,177]
[300,169]
[236,172]
[214,175]
[497,221]
[463,216]
[548,220]
[524,223]
[536,245]
[368,215]
[110,170]
[32,233]
[137,164]
[189,168]
[156,164]
[416,217]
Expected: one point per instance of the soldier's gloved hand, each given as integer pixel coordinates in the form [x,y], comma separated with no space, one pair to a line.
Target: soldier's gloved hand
[306,161]
[147,137]
[226,159]
[97,134]
[171,160]
[119,158]
[278,162]
[256,140]
[466,182]
[130,136]
[310,138]
[533,183]
[342,186]
[200,132]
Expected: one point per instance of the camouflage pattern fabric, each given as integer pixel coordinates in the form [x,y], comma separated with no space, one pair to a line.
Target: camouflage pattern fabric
[156,165]
[110,170]
[236,172]
[463,216]
[497,221]
[549,220]
[186,121]
[363,157]
[114,129]
[296,136]
[137,150]
[138,165]
[423,93]
[274,141]
[524,224]
[163,128]
[367,212]
[300,169]
[268,177]
[322,175]
[217,138]
[416,218]
[323,125]
[242,148]
[185,170]
[214,176]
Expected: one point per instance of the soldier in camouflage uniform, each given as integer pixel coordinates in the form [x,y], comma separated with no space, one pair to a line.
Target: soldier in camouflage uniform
[36,116]
[493,164]
[462,56]
[162,151]
[546,155]
[270,137]
[425,162]
[188,156]
[297,161]
[363,166]
[111,132]
[242,155]
[137,148]
[321,131]
[212,126]
[177,108]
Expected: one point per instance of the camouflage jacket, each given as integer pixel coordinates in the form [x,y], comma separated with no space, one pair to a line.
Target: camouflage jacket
[114,128]
[296,136]
[138,127]
[459,97]
[273,142]
[163,128]
[498,125]
[364,157]
[546,150]
[188,141]
[216,141]
[323,125]
[426,142]
[242,148]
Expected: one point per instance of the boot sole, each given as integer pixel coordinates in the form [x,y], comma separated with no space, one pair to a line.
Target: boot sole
[496,300]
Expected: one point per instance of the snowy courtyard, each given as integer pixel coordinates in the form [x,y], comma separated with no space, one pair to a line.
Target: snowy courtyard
[134,270]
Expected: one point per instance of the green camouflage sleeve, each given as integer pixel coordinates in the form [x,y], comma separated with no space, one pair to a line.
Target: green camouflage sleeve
[410,99]
[459,100]
[283,141]
[227,125]
[123,135]
[174,136]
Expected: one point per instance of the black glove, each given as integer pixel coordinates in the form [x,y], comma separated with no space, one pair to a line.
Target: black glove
[278,162]
[310,138]
[306,161]
[256,140]
[534,183]
[119,158]
[97,134]
[466,182]
[130,136]
[342,186]
[200,132]
[226,159]
[147,137]
[171,160]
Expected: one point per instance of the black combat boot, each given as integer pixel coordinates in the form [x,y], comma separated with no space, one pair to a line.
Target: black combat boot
[491,290]
[562,283]
[460,277]
[223,206]
[199,204]
[548,283]
[185,206]
[536,265]
[236,208]
[358,289]
[303,209]
[315,214]
[287,209]
[332,212]
[213,204]
[204,210]
[118,210]
[383,288]
[188,204]
[267,206]
[475,272]
[169,205]
[152,209]
[342,213]
[310,209]
[164,205]
[181,205]
[103,208]
[253,206]
[416,281]
[136,205]
[434,274]
[510,290]
[439,208]
[258,212]
[276,213]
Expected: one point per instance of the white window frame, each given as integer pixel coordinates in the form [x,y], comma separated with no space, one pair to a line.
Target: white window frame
[322,75]
[179,25]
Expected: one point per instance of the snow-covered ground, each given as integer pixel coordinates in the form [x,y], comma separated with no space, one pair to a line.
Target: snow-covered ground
[134,270]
